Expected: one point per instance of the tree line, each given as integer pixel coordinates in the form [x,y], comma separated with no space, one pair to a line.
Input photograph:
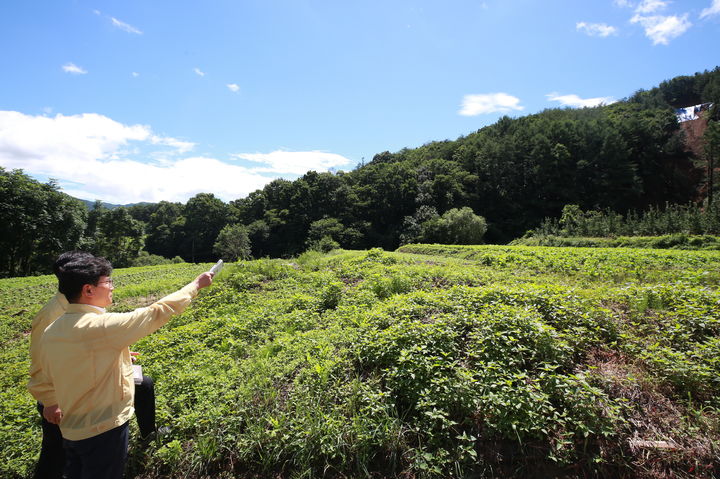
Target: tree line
[492,185]
[690,219]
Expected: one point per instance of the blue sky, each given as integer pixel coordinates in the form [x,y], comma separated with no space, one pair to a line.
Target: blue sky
[149,100]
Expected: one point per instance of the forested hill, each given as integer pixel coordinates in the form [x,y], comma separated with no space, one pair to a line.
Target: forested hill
[514,173]
[630,154]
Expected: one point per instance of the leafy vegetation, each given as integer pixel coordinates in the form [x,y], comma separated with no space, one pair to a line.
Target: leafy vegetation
[676,241]
[37,223]
[434,361]
[673,219]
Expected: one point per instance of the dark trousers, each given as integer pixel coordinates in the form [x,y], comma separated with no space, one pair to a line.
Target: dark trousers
[98,457]
[145,406]
[52,456]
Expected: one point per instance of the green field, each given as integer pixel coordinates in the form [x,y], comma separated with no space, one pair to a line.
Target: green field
[433,361]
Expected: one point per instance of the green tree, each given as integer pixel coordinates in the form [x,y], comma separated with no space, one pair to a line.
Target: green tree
[259,233]
[413,225]
[332,228]
[571,219]
[166,230]
[232,243]
[37,222]
[455,226]
[62,230]
[205,216]
[326,227]
[94,214]
[119,238]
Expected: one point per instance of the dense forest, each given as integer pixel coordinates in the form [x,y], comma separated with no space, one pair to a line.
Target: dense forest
[496,183]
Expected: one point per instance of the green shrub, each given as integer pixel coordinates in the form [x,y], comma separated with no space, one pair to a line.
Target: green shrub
[147,259]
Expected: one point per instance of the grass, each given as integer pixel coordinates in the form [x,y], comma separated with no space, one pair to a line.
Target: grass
[434,361]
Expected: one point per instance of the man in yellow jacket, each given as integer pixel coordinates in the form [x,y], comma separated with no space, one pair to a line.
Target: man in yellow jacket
[52,459]
[51,463]
[85,357]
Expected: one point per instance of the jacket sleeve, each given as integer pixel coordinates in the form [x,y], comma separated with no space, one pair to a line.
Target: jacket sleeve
[42,388]
[39,384]
[124,329]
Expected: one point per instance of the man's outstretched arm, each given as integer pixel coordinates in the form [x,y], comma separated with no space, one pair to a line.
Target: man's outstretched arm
[124,329]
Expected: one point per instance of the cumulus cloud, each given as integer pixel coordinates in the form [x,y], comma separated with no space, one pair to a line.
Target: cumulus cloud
[125,26]
[622,3]
[650,6]
[661,29]
[713,9]
[199,72]
[473,105]
[233,87]
[577,102]
[596,29]
[74,69]
[94,157]
[295,162]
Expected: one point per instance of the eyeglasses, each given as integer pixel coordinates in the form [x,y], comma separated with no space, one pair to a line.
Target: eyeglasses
[108,281]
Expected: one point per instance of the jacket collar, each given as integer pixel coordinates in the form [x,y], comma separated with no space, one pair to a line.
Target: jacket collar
[84,308]
[61,299]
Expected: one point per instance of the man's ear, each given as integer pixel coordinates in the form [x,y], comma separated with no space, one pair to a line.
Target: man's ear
[87,290]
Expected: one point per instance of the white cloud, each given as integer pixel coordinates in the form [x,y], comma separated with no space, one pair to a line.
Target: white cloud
[596,29]
[74,69]
[650,6]
[97,12]
[199,72]
[713,9]
[473,105]
[125,26]
[129,181]
[179,145]
[661,29]
[577,102]
[91,156]
[622,3]
[233,87]
[295,162]
[135,74]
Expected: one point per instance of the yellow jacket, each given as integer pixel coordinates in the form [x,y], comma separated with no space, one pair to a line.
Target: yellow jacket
[85,355]
[38,385]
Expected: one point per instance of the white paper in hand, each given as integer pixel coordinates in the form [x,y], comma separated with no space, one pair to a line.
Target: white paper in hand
[137,373]
[216,269]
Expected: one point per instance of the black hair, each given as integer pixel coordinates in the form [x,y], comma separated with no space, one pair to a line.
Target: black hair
[75,274]
[68,257]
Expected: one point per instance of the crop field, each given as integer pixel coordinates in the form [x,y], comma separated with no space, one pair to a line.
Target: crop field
[432,361]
